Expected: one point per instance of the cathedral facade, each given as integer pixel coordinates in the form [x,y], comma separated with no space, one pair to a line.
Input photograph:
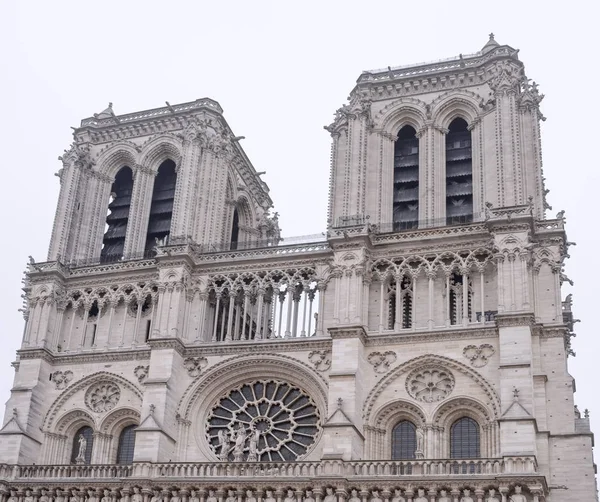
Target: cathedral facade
[177,349]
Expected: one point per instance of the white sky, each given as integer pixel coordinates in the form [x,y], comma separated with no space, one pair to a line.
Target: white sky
[279,70]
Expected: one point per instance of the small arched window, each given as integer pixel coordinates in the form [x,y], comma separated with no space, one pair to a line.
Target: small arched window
[404,440]
[464,438]
[235,230]
[161,209]
[126,445]
[113,242]
[406,179]
[83,440]
[459,174]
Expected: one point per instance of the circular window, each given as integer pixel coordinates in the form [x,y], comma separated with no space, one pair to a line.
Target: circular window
[263,421]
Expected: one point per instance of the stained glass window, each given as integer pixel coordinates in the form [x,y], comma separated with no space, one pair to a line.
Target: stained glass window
[126,445]
[464,438]
[404,440]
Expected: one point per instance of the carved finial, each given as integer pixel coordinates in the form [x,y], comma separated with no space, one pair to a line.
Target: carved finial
[152,408]
[15,413]
[516,394]
[491,36]
[586,413]
[340,401]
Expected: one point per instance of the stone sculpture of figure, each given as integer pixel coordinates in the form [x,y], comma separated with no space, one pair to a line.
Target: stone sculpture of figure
[223,447]
[156,497]
[308,497]
[175,496]
[124,496]
[240,441]
[74,495]
[375,496]
[250,496]
[13,496]
[269,496]
[44,497]
[59,496]
[80,459]
[354,496]
[444,496]
[466,496]
[28,496]
[91,496]
[421,496]
[231,496]
[193,497]
[492,496]
[398,496]
[137,496]
[253,445]
[420,439]
[106,497]
[518,496]
[329,495]
[289,497]
[211,496]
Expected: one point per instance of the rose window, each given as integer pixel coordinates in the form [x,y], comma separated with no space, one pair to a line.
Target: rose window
[102,397]
[429,385]
[264,421]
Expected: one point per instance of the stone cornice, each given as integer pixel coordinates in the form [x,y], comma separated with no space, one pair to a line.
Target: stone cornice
[63,358]
[167,343]
[507,320]
[258,346]
[348,331]
[376,339]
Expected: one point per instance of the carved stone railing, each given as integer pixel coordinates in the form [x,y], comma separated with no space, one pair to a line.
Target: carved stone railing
[518,465]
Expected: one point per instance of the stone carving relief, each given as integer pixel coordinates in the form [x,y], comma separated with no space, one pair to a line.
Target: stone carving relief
[141,372]
[194,365]
[266,420]
[429,384]
[320,360]
[102,397]
[478,356]
[382,361]
[62,378]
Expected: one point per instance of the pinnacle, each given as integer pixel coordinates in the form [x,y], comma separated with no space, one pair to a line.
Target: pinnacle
[491,44]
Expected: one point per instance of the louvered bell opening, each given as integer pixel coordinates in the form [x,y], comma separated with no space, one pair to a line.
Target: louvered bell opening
[406,179]
[113,242]
[459,174]
[161,209]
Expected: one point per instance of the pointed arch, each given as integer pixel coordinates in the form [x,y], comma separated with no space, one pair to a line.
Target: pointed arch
[454,104]
[119,154]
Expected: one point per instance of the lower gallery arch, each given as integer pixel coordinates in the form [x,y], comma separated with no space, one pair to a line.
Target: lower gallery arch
[115,446]
[278,396]
[61,445]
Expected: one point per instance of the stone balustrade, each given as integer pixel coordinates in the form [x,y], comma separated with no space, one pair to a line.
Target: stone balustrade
[518,465]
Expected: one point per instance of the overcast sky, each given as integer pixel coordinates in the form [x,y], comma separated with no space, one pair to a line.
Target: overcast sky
[279,70]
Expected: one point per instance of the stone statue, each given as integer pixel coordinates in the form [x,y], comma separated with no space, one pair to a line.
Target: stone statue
[231,496]
[92,496]
[250,496]
[137,496]
[375,496]
[420,439]
[156,496]
[444,496]
[124,496]
[13,496]
[211,496]
[269,496]
[28,496]
[253,445]
[492,496]
[44,497]
[174,496]
[106,497]
[329,495]
[308,497]
[354,497]
[289,496]
[398,496]
[466,496]
[223,446]
[240,441]
[59,496]
[193,497]
[517,496]
[74,495]
[421,494]
[80,459]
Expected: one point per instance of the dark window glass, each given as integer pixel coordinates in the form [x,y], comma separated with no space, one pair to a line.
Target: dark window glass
[126,445]
[88,441]
[235,230]
[404,440]
[406,179]
[464,438]
[459,174]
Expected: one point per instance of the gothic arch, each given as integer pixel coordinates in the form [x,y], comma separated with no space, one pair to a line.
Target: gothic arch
[404,111]
[71,421]
[430,359]
[391,413]
[457,103]
[50,422]
[118,419]
[118,155]
[461,406]
[159,149]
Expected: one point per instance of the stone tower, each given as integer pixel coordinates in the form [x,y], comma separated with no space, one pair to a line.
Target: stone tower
[177,349]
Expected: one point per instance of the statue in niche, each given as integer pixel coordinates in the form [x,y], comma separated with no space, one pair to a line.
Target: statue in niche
[269,496]
[91,496]
[354,496]
[44,497]
[517,496]
[420,433]
[375,496]
[231,496]
[309,496]
[124,496]
[444,496]
[193,497]
[239,440]
[466,496]
[13,496]
[211,496]
[74,495]
[289,497]
[329,495]
[421,496]
[137,496]
[28,496]
[398,496]
[59,496]
[175,496]
[80,459]
[106,497]
[223,446]
[156,496]
[250,496]
[492,496]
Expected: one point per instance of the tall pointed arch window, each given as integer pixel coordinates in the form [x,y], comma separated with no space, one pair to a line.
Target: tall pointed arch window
[235,230]
[406,179]
[464,439]
[126,445]
[459,174]
[113,242]
[83,440]
[161,209]
[404,440]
